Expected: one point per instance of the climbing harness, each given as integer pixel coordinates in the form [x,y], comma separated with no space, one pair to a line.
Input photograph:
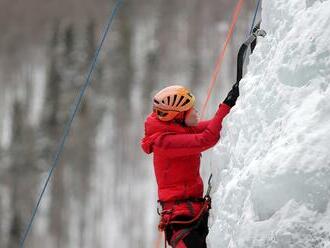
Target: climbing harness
[75,108]
[167,222]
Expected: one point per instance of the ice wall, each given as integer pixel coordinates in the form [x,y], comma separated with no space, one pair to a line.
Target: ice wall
[272,165]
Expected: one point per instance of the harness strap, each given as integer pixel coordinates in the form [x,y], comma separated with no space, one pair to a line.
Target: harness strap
[205,208]
[191,208]
[166,215]
[180,235]
[165,219]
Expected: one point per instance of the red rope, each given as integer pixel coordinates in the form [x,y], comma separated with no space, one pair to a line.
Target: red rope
[222,54]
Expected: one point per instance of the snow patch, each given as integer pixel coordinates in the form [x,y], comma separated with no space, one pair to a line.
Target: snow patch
[38,94]
[6,132]
[272,181]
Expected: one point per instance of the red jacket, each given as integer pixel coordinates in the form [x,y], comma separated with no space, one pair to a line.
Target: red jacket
[177,151]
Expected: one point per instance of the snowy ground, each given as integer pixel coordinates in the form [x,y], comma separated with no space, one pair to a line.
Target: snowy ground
[272,175]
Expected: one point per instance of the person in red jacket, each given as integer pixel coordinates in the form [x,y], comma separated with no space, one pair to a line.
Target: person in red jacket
[176,137]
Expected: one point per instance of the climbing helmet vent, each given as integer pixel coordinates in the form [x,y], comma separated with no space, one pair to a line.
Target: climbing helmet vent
[171,101]
[186,102]
[174,99]
[181,98]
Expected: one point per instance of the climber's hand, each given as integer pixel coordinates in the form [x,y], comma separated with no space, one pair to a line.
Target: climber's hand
[232,96]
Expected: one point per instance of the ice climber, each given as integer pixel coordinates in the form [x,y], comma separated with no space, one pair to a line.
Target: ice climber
[176,137]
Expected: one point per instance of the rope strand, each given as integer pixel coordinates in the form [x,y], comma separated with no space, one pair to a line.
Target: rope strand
[73,113]
[254,16]
[222,55]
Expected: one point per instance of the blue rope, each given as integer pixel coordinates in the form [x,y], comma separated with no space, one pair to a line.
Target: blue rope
[74,111]
[254,17]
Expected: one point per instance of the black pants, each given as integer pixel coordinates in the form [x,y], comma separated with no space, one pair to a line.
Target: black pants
[196,237]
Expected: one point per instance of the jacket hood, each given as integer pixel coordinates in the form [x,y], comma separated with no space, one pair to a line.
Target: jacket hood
[154,128]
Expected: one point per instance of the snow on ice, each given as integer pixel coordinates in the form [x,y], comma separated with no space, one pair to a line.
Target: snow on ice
[272,169]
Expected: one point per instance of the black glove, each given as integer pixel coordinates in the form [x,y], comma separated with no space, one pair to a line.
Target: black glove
[232,96]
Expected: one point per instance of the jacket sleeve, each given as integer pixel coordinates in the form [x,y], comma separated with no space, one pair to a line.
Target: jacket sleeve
[202,125]
[175,145]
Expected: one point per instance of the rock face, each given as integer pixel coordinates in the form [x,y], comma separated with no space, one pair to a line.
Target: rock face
[273,161]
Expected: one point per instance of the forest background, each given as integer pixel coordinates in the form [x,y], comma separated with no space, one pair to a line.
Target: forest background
[103,194]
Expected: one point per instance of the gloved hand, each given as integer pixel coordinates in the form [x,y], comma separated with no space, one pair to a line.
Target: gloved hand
[232,96]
